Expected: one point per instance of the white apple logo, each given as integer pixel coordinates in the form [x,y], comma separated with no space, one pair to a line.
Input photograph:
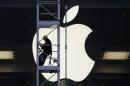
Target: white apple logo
[79,64]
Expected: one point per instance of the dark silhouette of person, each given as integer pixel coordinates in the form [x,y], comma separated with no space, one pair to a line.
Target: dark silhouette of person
[47,50]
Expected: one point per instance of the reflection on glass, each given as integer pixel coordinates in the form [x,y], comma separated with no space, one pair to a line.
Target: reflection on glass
[6,55]
[116,55]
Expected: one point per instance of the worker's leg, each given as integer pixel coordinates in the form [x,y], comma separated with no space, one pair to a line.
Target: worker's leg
[42,59]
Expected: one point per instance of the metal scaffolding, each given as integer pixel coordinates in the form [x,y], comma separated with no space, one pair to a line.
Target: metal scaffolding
[48,14]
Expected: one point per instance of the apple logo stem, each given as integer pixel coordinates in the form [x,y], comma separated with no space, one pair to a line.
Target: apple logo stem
[78,64]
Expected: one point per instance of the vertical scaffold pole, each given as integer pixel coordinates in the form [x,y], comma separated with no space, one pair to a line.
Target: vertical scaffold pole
[37,39]
[58,37]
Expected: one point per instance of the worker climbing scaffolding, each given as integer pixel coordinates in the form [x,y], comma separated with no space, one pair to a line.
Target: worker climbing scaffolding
[46,50]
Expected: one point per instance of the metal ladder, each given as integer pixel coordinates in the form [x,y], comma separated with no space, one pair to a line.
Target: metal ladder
[48,14]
